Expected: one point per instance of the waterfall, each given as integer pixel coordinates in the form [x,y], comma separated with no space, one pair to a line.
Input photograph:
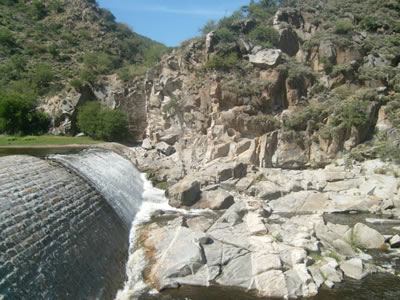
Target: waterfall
[131,196]
[115,177]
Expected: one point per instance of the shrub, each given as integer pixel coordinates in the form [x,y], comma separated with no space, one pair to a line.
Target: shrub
[351,113]
[101,122]
[370,23]
[43,75]
[224,62]
[343,27]
[211,25]
[229,22]
[6,38]
[299,119]
[38,10]
[264,35]
[18,114]
[224,35]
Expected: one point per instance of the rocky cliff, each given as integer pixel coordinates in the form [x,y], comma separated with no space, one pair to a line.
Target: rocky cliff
[238,126]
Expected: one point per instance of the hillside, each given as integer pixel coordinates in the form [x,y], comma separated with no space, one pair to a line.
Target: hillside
[49,48]
[286,86]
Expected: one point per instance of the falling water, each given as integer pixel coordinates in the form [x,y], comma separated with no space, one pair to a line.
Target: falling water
[115,177]
[129,193]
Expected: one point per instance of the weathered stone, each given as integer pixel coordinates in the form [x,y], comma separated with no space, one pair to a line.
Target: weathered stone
[395,241]
[217,199]
[184,193]
[170,139]
[165,148]
[146,144]
[353,268]
[383,221]
[265,58]
[367,237]
[330,271]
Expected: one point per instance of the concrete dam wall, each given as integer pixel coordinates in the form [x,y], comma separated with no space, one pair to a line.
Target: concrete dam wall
[59,237]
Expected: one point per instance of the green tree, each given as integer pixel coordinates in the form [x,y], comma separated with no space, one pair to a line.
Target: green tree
[208,27]
[19,114]
[101,122]
[264,35]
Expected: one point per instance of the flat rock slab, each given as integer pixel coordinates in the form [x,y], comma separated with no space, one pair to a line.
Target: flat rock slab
[383,221]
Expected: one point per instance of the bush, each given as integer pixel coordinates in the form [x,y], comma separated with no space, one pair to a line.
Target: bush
[18,114]
[343,27]
[101,122]
[264,35]
[211,25]
[370,23]
[6,38]
[224,62]
[43,75]
[224,35]
[351,113]
[299,119]
[38,10]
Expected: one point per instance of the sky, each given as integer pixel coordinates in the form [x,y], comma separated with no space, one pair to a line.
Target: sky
[170,21]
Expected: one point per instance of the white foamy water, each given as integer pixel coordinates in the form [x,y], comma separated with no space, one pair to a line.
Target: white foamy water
[153,200]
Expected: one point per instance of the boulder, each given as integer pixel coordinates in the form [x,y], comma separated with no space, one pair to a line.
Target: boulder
[266,190]
[395,241]
[217,199]
[330,271]
[353,268]
[146,144]
[170,139]
[265,58]
[364,236]
[184,193]
[164,148]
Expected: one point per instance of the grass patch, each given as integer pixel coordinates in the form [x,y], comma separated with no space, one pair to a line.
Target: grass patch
[6,140]
[162,185]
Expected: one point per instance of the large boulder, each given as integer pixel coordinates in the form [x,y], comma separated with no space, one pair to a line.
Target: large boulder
[353,268]
[216,199]
[366,237]
[265,57]
[184,193]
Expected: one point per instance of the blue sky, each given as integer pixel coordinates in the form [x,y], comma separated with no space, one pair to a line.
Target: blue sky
[170,21]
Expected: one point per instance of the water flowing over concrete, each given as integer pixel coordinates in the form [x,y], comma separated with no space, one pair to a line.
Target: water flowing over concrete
[59,238]
[115,177]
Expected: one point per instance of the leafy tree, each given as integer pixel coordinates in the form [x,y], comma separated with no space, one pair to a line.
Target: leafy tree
[224,62]
[38,10]
[101,122]
[6,38]
[343,27]
[224,35]
[18,114]
[211,25]
[264,35]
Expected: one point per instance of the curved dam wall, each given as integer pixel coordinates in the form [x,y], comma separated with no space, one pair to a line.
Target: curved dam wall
[59,238]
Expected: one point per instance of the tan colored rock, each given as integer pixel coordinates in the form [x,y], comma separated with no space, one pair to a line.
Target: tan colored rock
[265,58]
[184,193]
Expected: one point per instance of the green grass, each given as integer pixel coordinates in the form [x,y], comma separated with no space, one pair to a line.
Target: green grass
[6,140]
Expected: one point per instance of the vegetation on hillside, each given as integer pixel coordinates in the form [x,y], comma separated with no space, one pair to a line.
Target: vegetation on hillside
[47,47]
[335,99]
[50,44]
[100,122]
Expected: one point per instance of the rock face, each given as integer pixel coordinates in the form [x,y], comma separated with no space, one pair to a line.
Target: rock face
[236,250]
[265,57]
[56,219]
[184,193]
[245,242]
[367,237]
